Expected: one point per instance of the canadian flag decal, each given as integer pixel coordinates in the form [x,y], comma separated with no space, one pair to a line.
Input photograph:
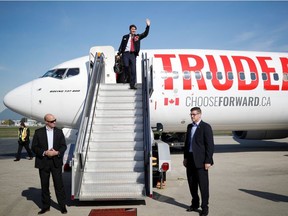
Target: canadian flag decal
[171,101]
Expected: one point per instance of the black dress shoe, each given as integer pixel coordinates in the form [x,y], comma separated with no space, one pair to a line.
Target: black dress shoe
[133,87]
[204,213]
[43,211]
[192,208]
[64,210]
[17,159]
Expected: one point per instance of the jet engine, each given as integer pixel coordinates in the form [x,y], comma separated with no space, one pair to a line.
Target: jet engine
[261,134]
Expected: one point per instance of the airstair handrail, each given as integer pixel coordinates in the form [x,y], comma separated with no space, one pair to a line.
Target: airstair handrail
[147,89]
[91,99]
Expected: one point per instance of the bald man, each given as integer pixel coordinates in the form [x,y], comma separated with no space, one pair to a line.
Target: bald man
[49,145]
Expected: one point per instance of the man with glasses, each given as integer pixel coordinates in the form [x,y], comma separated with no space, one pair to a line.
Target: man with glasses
[198,158]
[49,145]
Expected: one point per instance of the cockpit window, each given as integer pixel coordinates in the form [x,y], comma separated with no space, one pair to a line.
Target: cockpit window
[49,73]
[62,73]
[59,74]
[72,72]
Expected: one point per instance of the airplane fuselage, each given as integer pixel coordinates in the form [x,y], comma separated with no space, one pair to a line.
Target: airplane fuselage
[236,90]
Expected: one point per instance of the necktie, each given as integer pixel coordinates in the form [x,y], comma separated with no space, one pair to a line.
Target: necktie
[132,44]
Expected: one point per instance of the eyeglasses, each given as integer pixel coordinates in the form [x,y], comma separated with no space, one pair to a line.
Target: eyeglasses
[53,121]
[194,114]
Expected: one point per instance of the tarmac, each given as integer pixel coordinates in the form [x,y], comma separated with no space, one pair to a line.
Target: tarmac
[248,178]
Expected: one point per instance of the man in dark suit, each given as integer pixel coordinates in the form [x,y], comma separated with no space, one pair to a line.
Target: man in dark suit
[49,145]
[129,48]
[198,158]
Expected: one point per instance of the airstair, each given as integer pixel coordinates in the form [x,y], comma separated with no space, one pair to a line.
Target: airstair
[112,157]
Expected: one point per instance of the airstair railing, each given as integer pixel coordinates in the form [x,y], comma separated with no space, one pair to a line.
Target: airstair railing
[147,89]
[91,98]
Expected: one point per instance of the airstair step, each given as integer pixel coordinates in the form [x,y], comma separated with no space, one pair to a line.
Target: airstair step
[122,86]
[119,105]
[107,86]
[114,166]
[112,145]
[122,99]
[118,92]
[117,127]
[115,156]
[108,136]
[118,119]
[114,191]
[113,178]
[116,112]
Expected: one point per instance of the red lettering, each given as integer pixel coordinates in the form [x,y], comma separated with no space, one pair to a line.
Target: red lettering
[242,85]
[167,67]
[184,59]
[284,63]
[194,63]
[213,68]
[268,71]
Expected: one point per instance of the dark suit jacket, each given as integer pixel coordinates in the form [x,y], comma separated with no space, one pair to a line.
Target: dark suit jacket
[125,39]
[40,144]
[202,144]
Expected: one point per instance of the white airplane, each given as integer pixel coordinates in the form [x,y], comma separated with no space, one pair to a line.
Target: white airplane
[242,91]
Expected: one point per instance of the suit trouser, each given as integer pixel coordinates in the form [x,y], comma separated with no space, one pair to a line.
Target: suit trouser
[57,181]
[197,177]
[129,61]
[20,147]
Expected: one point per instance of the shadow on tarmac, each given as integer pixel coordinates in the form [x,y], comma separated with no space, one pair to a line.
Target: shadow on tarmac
[169,200]
[244,146]
[34,194]
[267,195]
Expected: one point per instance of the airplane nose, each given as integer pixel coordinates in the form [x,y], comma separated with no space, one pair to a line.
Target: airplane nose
[19,99]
